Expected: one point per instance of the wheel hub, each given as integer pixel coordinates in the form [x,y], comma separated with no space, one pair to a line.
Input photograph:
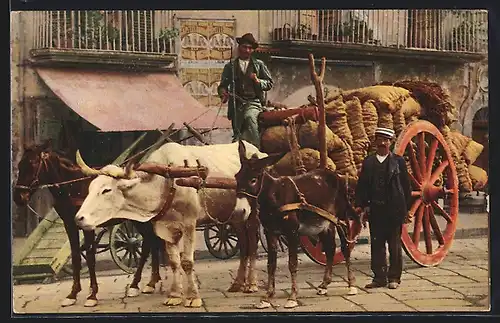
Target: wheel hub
[431,193]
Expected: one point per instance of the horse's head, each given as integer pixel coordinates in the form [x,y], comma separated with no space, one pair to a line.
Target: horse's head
[249,181]
[39,165]
[32,171]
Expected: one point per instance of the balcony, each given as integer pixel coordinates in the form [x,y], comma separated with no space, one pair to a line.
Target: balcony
[139,38]
[459,33]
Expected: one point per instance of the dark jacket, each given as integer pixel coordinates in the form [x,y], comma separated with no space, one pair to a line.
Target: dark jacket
[398,186]
[263,74]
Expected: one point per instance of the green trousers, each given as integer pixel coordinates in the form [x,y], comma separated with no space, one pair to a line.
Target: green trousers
[245,123]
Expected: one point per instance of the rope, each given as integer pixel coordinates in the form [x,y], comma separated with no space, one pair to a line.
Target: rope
[53,184]
[203,197]
[40,216]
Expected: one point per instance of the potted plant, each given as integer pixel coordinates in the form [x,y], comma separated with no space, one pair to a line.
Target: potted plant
[283,33]
[91,31]
[165,37]
[356,31]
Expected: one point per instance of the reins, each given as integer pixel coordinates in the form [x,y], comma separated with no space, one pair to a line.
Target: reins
[44,161]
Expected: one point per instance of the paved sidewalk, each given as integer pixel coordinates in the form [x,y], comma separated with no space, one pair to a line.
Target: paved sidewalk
[459,283]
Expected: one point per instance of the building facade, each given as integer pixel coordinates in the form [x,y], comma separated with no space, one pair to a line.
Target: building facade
[362,47]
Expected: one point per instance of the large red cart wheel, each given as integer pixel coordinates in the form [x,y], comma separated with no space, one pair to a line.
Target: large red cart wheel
[314,250]
[434,181]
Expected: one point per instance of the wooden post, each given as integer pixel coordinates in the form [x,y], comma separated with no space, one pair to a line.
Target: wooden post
[195,133]
[317,80]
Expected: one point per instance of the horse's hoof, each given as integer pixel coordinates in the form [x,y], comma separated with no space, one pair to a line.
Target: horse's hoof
[263,304]
[291,303]
[322,291]
[352,291]
[234,288]
[173,301]
[195,302]
[133,292]
[90,302]
[148,290]
[68,302]
[251,289]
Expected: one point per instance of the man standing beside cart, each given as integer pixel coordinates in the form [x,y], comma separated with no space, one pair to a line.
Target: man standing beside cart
[383,193]
[243,84]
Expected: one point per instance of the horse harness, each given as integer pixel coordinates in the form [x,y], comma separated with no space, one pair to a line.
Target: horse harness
[305,206]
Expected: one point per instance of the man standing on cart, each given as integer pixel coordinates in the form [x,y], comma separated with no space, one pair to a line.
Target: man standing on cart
[243,85]
[383,193]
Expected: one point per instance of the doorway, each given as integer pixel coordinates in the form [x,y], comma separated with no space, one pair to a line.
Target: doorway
[480,134]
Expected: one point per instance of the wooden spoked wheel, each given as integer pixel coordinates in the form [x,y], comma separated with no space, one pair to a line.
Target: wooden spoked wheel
[221,241]
[314,249]
[434,206]
[125,244]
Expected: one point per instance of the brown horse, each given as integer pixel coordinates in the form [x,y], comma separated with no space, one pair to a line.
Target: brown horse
[40,166]
[281,202]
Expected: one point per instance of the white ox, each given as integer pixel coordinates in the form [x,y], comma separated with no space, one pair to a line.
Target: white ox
[140,197]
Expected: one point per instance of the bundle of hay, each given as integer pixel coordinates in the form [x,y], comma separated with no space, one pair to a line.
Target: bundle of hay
[433,99]
[370,119]
[385,96]
[398,121]
[472,151]
[464,180]
[478,176]
[385,119]
[361,143]
[275,140]
[308,137]
[344,160]
[411,109]
[336,119]
[459,141]
[310,158]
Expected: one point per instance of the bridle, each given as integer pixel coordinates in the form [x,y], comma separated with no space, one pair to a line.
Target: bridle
[250,195]
[44,163]
[44,156]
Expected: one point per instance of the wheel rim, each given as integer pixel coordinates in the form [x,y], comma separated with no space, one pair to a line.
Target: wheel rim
[434,183]
[314,250]
[221,241]
[126,246]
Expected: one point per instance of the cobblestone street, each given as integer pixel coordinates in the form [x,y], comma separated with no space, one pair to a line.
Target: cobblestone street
[459,283]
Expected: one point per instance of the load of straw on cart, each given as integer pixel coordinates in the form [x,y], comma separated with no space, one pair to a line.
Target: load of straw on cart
[351,119]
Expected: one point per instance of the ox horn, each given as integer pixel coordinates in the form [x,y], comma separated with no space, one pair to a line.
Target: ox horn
[84,167]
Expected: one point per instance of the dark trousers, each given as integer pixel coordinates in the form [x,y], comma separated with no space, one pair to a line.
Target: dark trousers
[385,230]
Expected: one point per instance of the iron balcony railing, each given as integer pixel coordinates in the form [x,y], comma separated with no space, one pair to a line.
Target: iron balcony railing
[441,30]
[148,31]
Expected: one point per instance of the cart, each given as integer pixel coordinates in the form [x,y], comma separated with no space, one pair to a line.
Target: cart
[428,236]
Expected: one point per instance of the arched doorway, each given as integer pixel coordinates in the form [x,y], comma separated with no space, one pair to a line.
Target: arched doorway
[480,134]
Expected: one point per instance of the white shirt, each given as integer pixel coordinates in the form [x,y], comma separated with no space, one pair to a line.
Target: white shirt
[381,158]
[244,64]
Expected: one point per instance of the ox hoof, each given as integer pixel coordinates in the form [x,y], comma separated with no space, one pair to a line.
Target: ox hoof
[195,302]
[90,303]
[322,291]
[148,290]
[68,302]
[173,301]
[263,304]
[291,303]
[133,292]
[352,291]
[234,288]
[251,289]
